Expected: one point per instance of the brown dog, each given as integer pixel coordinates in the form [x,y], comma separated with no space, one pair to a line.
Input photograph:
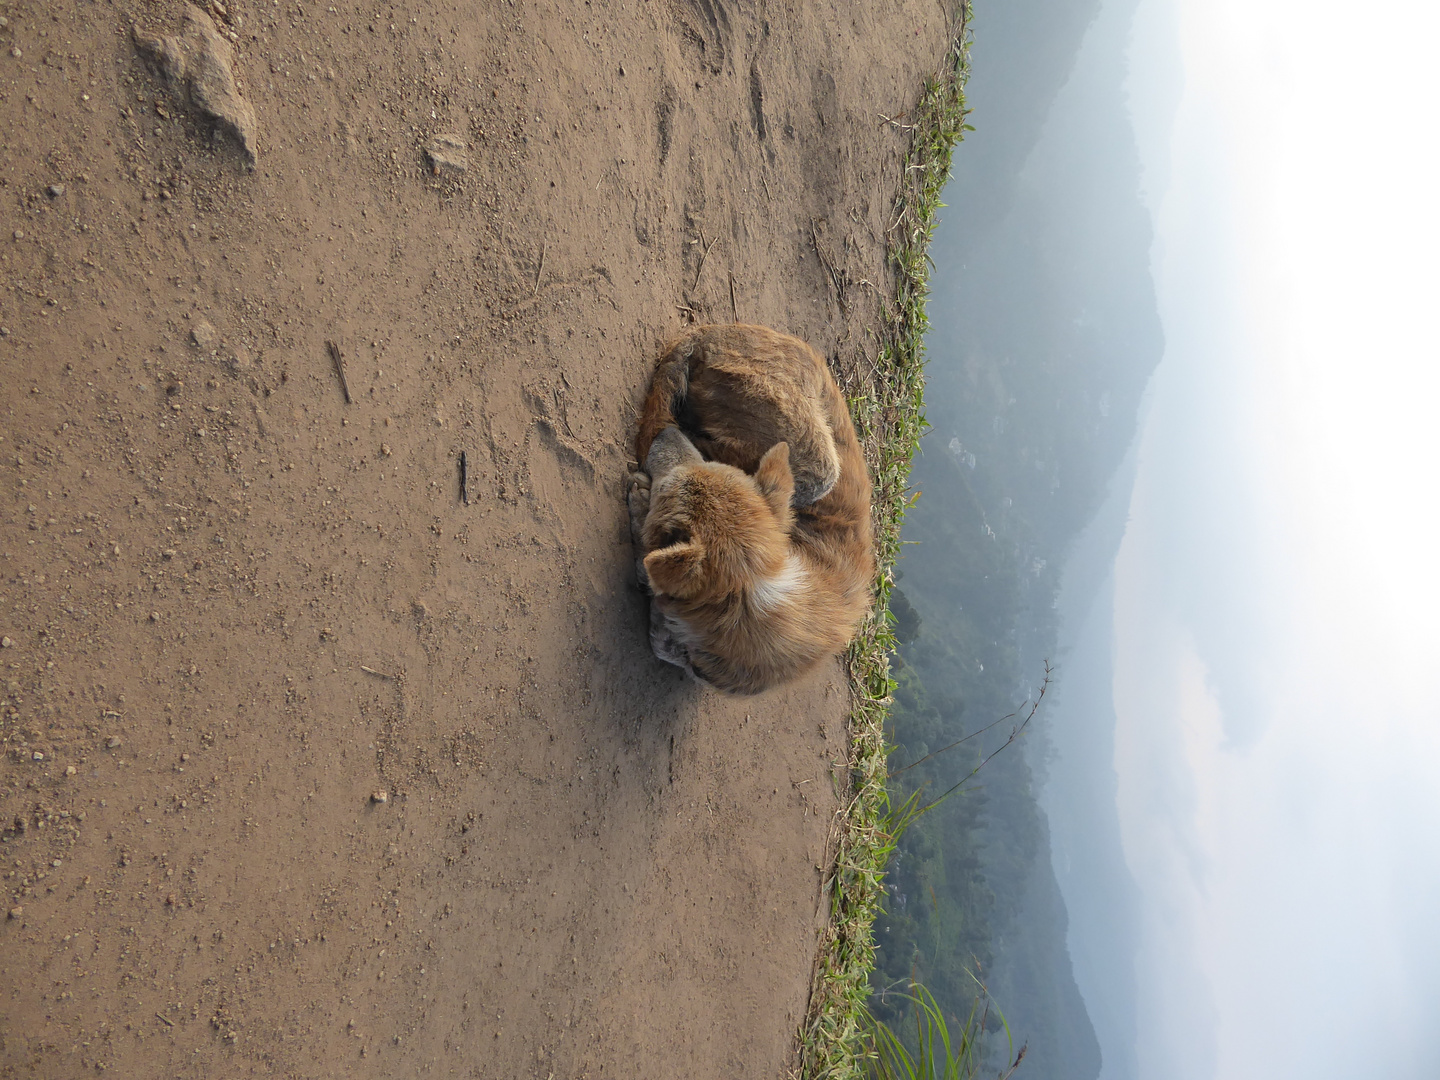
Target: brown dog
[753,523]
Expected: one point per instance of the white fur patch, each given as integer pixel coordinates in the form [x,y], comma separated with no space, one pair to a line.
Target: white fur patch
[769,593]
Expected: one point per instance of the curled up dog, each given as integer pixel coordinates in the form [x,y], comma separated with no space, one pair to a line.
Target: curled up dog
[751,517]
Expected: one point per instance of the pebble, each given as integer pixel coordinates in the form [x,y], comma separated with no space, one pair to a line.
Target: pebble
[380,797]
[204,335]
[16,912]
[37,756]
[55,191]
[6,643]
[154,616]
[19,234]
[15,52]
[113,743]
[447,154]
[69,770]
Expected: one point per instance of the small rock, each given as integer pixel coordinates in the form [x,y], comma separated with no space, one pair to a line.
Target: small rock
[447,154]
[6,643]
[55,191]
[204,335]
[37,756]
[69,770]
[380,797]
[113,743]
[154,616]
[19,234]
[16,912]
[198,64]
[168,553]
[15,52]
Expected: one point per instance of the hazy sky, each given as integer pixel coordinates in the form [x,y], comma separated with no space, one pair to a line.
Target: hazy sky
[1278,590]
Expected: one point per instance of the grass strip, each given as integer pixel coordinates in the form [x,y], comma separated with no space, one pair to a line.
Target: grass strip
[890,418]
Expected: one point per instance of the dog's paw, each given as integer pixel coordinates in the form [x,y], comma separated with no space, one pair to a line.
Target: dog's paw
[637,498]
[810,489]
[665,642]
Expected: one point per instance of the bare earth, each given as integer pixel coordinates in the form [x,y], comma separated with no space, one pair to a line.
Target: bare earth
[236,607]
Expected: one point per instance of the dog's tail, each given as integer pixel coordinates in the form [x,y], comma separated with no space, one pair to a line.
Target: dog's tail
[665,401]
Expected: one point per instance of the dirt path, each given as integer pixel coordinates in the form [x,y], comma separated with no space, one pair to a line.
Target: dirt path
[236,607]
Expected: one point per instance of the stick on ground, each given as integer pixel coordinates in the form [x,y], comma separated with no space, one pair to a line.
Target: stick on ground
[337,359]
[704,251]
[838,278]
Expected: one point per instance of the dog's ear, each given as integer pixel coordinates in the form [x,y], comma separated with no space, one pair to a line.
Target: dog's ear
[676,570]
[775,480]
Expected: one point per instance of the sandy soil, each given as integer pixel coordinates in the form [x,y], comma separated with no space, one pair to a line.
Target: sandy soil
[236,607]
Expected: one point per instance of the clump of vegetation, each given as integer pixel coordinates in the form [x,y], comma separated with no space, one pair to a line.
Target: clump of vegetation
[933,1053]
[838,1040]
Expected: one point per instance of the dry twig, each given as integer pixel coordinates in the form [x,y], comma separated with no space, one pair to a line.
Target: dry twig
[337,360]
[838,278]
[896,123]
[704,251]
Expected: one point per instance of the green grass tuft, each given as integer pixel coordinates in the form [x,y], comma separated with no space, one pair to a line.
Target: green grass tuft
[836,1040]
[938,1053]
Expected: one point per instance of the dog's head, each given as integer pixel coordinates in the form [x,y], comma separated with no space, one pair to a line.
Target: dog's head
[713,530]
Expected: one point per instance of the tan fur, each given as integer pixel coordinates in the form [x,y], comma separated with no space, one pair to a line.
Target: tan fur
[755,522]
